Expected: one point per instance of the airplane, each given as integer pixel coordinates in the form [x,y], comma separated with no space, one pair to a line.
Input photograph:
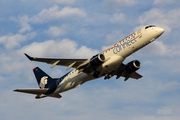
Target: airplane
[107,64]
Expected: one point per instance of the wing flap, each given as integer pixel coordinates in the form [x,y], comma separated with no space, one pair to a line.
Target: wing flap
[136,75]
[133,75]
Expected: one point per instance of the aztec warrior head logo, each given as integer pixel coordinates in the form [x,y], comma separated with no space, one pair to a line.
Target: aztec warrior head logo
[43,82]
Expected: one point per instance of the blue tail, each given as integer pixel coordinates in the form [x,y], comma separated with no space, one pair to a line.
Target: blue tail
[43,79]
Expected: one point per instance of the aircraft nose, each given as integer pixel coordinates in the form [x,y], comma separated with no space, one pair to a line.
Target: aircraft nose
[159,31]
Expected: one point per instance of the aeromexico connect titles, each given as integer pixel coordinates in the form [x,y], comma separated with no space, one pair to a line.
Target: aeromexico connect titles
[106,64]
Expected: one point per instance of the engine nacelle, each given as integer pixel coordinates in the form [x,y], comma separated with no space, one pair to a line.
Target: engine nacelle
[97,60]
[132,66]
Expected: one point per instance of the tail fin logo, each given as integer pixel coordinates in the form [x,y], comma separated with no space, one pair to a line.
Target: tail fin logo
[43,82]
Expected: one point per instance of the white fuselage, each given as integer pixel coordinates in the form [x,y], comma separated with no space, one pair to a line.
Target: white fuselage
[114,56]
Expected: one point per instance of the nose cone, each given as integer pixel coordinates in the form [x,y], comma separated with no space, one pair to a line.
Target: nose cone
[159,31]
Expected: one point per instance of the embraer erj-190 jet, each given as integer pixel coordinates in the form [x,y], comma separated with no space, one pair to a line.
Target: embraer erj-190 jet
[105,64]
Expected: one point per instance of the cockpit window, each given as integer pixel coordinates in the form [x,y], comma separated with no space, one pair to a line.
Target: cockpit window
[149,26]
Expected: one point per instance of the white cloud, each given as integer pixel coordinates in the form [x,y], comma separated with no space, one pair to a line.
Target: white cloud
[23,21]
[119,3]
[13,41]
[52,1]
[118,18]
[54,13]
[153,117]
[64,48]
[105,47]
[114,37]
[88,109]
[12,64]
[171,85]
[25,27]
[2,79]
[160,48]
[113,99]
[163,1]
[170,19]
[64,1]
[55,31]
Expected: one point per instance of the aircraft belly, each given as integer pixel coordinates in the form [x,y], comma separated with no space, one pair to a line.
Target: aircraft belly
[111,64]
[74,82]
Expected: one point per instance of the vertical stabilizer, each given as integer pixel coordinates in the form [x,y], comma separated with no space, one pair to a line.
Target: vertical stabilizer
[43,79]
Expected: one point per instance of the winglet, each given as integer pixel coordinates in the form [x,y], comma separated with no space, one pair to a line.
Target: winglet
[29,57]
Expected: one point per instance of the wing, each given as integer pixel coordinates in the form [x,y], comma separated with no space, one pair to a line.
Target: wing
[75,63]
[133,75]
[121,72]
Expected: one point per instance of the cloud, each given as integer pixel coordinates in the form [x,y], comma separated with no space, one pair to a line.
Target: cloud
[168,19]
[172,85]
[51,1]
[12,64]
[25,27]
[159,48]
[160,2]
[2,79]
[54,13]
[55,31]
[148,117]
[162,49]
[64,1]
[114,36]
[62,48]
[155,93]
[46,15]
[119,3]
[118,18]
[12,41]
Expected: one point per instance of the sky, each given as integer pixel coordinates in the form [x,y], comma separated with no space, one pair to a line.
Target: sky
[81,29]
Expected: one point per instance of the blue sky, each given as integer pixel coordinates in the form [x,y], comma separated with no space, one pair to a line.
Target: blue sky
[80,29]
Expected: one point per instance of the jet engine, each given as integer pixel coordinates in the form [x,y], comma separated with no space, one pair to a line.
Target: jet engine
[97,60]
[132,66]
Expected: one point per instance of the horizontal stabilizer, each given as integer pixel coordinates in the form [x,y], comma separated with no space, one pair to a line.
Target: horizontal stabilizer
[32,91]
[55,95]
[38,92]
